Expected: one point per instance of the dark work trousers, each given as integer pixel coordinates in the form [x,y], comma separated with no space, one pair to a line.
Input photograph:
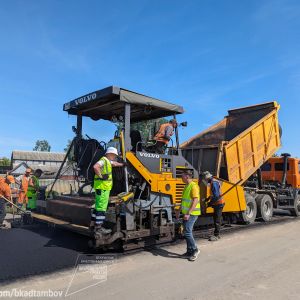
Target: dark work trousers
[217,218]
[160,147]
[2,210]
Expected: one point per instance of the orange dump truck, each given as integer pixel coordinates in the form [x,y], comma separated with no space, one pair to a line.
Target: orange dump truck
[234,150]
[281,176]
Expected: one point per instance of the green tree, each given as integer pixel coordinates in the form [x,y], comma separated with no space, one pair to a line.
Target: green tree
[68,145]
[71,156]
[4,161]
[148,128]
[42,145]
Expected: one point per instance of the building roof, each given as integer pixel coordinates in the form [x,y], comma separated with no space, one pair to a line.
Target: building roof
[19,169]
[48,171]
[37,155]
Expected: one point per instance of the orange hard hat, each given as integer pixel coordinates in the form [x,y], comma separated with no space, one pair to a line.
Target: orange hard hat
[28,170]
[10,178]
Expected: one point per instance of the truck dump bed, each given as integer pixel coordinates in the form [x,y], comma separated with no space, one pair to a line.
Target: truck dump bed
[234,148]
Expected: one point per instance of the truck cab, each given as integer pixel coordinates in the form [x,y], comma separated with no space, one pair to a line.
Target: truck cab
[273,169]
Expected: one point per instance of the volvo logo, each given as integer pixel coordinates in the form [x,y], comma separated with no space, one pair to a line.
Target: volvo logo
[151,155]
[86,98]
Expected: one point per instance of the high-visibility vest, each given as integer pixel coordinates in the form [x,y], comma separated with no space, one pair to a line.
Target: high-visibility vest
[99,183]
[187,201]
[160,135]
[25,183]
[219,201]
[32,192]
[33,189]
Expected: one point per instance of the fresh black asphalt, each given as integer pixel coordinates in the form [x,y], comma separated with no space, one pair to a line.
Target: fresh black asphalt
[37,249]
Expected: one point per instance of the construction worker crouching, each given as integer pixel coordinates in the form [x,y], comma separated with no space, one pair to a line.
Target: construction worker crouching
[32,191]
[5,191]
[216,202]
[163,136]
[190,208]
[103,183]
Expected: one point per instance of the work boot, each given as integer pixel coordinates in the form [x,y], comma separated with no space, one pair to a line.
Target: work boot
[105,230]
[214,238]
[194,256]
[100,229]
[187,254]
[5,225]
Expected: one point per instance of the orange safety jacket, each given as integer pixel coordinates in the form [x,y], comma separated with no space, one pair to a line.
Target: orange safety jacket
[160,135]
[221,199]
[4,188]
[25,182]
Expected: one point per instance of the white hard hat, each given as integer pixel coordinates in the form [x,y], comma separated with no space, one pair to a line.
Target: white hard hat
[112,150]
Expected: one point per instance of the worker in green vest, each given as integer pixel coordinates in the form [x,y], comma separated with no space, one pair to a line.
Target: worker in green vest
[190,209]
[32,192]
[103,182]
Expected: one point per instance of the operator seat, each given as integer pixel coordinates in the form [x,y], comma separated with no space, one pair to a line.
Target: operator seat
[136,140]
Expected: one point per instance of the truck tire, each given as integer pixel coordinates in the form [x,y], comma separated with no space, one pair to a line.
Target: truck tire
[264,207]
[249,215]
[296,211]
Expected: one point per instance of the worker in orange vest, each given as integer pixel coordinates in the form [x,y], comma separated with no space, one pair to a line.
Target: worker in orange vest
[24,182]
[216,201]
[163,135]
[5,191]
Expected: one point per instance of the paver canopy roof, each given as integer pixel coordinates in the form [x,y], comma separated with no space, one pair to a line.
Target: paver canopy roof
[109,103]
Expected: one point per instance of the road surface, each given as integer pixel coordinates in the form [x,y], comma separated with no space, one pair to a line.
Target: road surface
[258,262]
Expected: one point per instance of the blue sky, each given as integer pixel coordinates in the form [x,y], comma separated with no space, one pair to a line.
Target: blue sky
[209,56]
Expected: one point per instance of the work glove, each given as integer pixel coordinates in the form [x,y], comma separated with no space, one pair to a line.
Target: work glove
[207,199]
[104,176]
